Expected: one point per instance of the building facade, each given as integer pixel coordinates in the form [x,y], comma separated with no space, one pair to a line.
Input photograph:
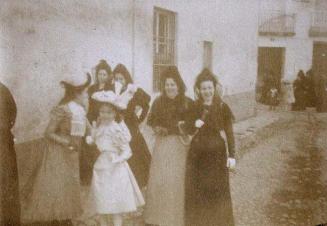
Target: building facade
[44,42]
[292,37]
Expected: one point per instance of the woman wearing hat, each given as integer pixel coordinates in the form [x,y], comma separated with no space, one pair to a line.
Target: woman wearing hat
[103,81]
[207,193]
[141,158]
[165,192]
[55,196]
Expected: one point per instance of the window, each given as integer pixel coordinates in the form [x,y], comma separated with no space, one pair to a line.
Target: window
[164,41]
[207,55]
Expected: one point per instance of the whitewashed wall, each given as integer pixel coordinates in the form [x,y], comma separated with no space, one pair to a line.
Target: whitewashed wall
[230,26]
[44,41]
[41,42]
[298,48]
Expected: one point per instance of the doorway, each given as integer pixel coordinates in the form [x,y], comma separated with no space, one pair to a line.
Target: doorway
[270,71]
[319,66]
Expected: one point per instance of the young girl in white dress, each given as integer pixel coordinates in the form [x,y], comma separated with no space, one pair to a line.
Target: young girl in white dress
[114,190]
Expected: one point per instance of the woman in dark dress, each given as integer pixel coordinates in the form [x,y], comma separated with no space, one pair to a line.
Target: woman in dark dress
[165,192]
[300,92]
[103,81]
[9,196]
[207,194]
[141,158]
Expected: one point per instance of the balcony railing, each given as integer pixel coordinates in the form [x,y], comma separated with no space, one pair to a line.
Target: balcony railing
[318,24]
[276,23]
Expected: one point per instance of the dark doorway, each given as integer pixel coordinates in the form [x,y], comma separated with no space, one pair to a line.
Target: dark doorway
[319,66]
[270,71]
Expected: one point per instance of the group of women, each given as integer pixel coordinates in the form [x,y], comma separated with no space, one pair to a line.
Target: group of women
[186,177]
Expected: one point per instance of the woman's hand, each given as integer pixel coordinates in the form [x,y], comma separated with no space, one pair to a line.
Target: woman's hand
[89,140]
[160,131]
[231,162]
[199,123]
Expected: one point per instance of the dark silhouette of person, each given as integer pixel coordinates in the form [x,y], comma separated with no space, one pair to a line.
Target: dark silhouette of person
[9,204]
[300,91]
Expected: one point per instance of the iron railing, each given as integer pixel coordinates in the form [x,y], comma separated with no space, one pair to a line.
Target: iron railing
[318,23]
[276,23]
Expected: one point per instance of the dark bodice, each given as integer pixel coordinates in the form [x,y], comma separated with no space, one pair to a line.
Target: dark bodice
[142,99]
[167,112]
[217,117]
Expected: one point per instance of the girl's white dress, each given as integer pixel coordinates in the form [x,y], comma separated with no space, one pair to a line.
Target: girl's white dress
[114,188]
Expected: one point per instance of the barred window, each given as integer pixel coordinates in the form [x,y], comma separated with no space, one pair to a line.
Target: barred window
[164,41]
[207,55]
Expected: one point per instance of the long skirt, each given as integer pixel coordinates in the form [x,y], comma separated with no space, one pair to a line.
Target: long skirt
[114,188]
[88,156]
[9,190]
[55,190]
[165,193]
[141,158]
[207,192]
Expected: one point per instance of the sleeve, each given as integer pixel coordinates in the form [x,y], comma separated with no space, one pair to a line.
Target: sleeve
[154,115]
[142,99]
[122,139]
[228,128]
[56,116]
[122,135]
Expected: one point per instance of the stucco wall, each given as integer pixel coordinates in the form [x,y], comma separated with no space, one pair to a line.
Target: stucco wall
[41,42]
[229,26]
[298,48]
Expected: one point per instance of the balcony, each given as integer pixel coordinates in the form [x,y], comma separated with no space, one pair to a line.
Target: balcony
[318,24]
[276,23]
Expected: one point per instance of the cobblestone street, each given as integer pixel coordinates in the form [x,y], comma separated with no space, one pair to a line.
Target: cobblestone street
[283,179]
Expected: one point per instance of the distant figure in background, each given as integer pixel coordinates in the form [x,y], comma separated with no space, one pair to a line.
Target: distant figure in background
[9,196]
[103,81]
[300,91]
[141,158]
[321,92]
[269,84]
[311,93]
[287,95]
[273,97]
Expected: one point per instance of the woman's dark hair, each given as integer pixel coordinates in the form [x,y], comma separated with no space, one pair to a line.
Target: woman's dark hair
[121,69]
[301,75]
[206,75]
[102,65]
[72,91]
[173,73]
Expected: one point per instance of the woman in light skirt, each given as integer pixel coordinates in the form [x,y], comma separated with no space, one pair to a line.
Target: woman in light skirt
[165,194]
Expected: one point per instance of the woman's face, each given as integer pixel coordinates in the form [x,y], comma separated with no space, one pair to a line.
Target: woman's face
[207,90]
[103,76]
[107,113]
[171,88]
[121,79]
[82,98]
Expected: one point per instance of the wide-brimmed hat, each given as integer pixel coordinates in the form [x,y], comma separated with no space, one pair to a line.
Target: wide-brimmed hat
[118,99]
[77,81]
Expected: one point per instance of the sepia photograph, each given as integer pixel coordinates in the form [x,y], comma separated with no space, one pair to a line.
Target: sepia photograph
[163,112]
